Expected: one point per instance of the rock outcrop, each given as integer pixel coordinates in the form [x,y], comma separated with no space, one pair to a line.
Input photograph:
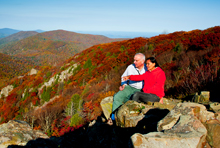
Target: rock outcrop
[203,97]
[6,90]
[18,133]
[182,127]
[65,74]
[185,125]
[33,72]
[132,112]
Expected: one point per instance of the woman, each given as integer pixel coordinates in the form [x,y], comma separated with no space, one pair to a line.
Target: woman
[154,81]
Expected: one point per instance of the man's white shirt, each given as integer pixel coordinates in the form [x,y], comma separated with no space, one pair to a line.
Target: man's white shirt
[132,70]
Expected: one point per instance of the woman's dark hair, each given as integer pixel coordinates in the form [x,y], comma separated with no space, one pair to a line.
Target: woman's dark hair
[153,60]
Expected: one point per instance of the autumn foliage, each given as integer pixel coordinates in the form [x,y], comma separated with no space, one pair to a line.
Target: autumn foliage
[190,61]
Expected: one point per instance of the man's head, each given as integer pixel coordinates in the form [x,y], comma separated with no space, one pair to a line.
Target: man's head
[139,59]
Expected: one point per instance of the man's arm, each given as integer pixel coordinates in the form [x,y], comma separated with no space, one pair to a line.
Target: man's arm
[126,73]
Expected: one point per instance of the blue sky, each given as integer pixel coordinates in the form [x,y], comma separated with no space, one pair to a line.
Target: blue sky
[111,15]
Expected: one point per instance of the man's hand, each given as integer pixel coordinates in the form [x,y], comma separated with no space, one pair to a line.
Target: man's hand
[122,87]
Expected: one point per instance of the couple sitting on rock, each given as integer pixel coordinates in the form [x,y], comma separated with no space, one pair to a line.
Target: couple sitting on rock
[141,83]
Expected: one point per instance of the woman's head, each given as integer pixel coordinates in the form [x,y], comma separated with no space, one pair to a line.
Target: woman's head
[151,63]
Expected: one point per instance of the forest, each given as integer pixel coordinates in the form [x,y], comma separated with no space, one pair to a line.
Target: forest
[63,97]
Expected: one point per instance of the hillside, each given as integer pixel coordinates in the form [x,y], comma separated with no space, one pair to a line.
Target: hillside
[12,66]
[46,49]
[61,99]
[17,36]
[50,48]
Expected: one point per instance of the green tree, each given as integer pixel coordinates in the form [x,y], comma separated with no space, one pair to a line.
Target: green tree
[46,94]
[87,64]
[74,105]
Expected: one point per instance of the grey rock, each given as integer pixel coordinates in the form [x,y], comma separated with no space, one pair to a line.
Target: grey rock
[18,133]
[130,113]
[182,127]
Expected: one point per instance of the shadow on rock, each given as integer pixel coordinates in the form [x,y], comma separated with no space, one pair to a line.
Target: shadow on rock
[100,134]
[149,122]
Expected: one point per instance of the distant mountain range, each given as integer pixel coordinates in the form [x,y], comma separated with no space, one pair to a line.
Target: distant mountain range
[49,48]
[7,31]
[110,34]
[121,34]
[4,32]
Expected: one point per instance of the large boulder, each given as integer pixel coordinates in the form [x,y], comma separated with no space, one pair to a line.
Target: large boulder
[213,128]
[181,128]
[130,113]
[106,105]
[18,133]
[167,103]
[187,108]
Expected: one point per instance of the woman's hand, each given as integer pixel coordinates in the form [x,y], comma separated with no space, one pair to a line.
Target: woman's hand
[161,100]
[125,78]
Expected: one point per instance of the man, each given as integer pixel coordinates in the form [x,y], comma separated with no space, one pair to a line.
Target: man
[128,88]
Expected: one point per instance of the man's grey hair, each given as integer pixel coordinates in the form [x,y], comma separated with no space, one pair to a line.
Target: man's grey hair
[141,54]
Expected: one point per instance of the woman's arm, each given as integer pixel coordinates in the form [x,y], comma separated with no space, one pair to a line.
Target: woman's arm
[134,77]
[138,77]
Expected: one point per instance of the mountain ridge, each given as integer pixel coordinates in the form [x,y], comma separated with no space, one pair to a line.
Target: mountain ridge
[109,34]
